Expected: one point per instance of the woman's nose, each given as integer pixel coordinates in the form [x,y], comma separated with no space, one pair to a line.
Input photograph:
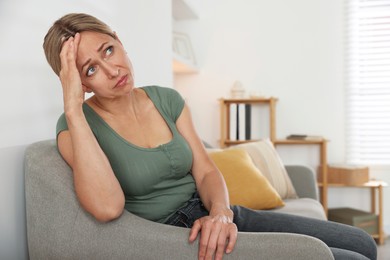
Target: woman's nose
[112,71]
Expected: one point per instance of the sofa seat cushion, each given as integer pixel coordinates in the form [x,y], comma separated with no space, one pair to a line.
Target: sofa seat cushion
[305,207]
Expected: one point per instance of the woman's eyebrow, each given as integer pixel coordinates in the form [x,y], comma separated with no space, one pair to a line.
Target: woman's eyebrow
[101,46]
[98,50]
[85,63]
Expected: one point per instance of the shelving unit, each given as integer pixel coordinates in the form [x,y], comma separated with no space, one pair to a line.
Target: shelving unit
[376,188]
[271,103]
[225,117]
[183,10]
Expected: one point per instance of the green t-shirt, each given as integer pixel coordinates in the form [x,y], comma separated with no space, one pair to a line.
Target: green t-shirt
[156,181]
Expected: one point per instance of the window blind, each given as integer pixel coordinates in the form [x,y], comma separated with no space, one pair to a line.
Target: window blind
[368,82]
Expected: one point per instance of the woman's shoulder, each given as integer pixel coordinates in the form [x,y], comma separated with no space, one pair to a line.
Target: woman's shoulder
[163,94]
[168,99]
[159,90]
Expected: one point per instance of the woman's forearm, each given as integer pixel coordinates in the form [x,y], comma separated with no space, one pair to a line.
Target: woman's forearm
[95,183]
[209,181]
[214,194]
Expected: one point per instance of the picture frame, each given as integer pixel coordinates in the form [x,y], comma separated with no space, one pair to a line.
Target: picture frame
[181,46]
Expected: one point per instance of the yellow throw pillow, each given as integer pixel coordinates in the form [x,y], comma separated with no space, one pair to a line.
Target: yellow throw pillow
[246,184]
[267,160]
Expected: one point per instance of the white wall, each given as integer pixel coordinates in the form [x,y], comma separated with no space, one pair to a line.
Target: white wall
[289,49]
[293,50]
[31,98]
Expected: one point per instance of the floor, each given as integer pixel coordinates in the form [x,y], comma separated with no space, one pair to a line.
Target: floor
[384,250]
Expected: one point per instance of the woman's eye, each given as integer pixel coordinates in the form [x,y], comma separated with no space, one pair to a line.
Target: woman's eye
[109,50]
[90,71]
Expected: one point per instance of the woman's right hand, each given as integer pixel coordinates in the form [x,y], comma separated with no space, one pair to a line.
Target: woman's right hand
[72,88]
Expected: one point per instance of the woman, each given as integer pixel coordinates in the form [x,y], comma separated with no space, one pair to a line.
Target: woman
[136,148]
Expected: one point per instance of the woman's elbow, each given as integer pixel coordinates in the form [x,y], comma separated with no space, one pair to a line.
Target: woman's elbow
[109,213]
[107,217]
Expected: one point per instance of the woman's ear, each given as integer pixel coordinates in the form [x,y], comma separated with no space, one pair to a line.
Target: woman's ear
[86,89]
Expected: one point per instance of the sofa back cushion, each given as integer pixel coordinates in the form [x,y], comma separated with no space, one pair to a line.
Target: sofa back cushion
[247,186]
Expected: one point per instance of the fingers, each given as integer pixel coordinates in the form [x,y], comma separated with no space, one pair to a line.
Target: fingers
[77,38]
[63,54]
[216,236]
[221,244]
[73,91]
[76,44]
[206,249]
[68,52]
[221,234]
[232,239]
[195,231]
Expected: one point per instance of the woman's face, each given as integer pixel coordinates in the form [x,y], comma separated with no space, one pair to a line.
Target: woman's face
[103,64]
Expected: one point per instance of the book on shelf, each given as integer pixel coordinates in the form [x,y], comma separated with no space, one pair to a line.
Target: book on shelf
[248,119]
[233,122]
[240,122]
[304,137]
[237,122]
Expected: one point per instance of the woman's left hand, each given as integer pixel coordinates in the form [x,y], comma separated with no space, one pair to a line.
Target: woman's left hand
[217,230]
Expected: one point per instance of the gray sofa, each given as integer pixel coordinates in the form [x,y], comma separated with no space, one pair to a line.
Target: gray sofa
[58,228]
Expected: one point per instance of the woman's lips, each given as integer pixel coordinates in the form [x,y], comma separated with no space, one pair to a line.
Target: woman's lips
[122,81]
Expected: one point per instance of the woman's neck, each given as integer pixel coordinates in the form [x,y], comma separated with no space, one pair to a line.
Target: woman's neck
[125,105]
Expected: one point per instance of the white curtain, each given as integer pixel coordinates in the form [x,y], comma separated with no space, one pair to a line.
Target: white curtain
[368,82]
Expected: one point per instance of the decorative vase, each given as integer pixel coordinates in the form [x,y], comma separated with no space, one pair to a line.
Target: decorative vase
[238,90]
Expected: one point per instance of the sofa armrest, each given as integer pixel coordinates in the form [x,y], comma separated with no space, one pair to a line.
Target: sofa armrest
[58,228]
[304,181]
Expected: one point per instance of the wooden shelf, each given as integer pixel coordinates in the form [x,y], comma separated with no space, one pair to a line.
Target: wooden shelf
[370,184]
[225,117]
[247,100]
[376,188]
[303,141]
[231,142]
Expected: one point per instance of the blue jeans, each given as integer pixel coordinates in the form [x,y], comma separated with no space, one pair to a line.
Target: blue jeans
[345,242]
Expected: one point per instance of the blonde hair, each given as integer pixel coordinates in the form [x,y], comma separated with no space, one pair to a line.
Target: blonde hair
[66,27]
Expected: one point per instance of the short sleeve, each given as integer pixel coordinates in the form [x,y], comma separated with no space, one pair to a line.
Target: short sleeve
[175,103]
[62,125]
[168,100]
